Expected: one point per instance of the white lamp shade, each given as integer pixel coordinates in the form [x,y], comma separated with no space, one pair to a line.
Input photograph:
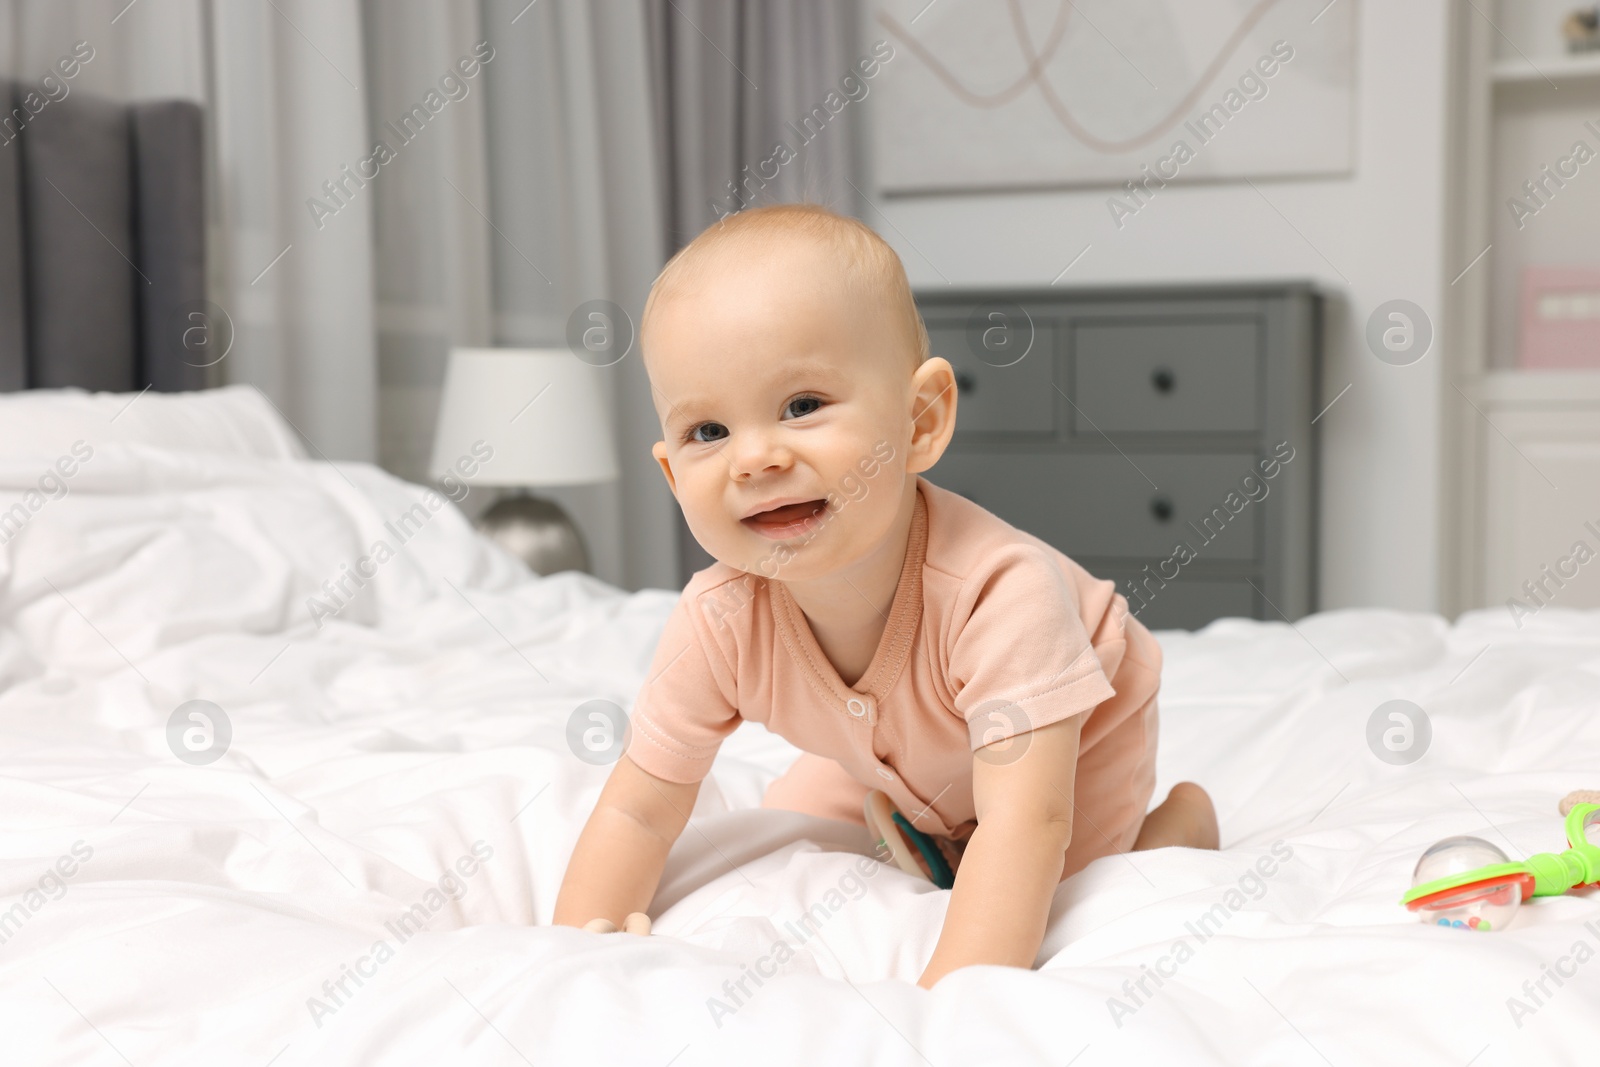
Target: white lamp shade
[544,414]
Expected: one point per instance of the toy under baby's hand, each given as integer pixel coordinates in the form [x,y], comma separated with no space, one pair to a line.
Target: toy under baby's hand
[636,923]
[1468,882]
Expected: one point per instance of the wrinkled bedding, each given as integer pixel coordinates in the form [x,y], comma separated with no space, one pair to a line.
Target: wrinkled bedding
[366,871]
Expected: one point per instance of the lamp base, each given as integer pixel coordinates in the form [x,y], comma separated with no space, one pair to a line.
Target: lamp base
[536,531]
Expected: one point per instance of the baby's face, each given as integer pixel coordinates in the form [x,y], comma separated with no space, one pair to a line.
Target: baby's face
[776,386]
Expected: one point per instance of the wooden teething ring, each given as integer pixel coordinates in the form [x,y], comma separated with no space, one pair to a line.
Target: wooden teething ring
[1579,796]
[914,851]
[880,820]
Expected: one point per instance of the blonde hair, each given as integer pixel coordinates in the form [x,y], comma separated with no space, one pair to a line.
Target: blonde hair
[871,267]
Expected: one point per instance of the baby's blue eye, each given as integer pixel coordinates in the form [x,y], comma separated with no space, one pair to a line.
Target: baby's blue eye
[692,433]
[693,430]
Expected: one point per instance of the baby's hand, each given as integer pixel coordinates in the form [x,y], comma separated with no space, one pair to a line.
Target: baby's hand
[636,923]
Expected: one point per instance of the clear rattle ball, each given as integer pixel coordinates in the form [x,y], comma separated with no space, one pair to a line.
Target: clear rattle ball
[1476,907]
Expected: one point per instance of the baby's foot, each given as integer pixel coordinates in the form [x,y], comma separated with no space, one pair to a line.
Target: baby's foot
[1186,819]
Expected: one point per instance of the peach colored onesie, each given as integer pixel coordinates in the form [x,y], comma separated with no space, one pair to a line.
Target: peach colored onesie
[993,632]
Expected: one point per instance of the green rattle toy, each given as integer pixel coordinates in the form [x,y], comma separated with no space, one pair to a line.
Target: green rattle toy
[1468,883]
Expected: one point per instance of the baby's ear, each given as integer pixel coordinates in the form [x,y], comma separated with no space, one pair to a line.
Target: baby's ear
[934,412]
[659,450]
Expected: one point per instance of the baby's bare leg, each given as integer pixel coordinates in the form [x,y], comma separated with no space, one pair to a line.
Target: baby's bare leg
[1186,819]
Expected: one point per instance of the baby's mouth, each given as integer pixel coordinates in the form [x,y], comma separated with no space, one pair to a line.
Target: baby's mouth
[787,521]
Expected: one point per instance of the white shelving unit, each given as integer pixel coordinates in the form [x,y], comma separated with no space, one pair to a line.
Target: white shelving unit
[1526,482]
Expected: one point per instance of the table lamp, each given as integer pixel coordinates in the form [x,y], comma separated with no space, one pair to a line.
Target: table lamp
[545,415]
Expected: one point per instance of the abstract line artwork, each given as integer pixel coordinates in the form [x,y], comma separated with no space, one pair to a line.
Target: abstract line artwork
[1012,93]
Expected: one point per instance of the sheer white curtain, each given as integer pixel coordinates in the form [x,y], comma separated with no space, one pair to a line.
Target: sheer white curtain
[159,55]
[287,103]
[520,192]
[533,190]
[283,92]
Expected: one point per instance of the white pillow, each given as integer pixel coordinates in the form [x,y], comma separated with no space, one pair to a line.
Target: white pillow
[234,420]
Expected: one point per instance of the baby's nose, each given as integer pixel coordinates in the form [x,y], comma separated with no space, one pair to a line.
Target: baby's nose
[755,452]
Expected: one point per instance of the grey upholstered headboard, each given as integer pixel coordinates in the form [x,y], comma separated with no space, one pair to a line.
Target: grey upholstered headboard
[102,242]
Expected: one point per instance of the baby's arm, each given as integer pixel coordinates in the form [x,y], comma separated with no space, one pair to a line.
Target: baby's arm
[1012,863]
[617,862]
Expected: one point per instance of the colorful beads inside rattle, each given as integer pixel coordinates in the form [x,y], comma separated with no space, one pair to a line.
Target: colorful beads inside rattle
[1486,906]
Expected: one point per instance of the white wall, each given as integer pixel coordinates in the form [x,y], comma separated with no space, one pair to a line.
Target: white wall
[1364,238]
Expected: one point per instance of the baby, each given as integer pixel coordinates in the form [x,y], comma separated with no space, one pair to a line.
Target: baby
[913,644]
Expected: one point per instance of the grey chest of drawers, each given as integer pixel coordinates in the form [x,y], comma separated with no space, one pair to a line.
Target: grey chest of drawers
[1164,438]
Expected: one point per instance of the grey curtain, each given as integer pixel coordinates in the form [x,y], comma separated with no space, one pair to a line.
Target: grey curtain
[741,94]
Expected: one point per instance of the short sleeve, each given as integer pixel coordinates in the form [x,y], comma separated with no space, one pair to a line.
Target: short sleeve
[1020,654]
[685,708]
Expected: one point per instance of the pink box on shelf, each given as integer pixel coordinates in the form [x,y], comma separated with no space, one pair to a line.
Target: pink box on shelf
[1560,325]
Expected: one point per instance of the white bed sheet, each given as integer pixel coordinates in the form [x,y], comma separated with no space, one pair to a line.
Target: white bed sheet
[221,904]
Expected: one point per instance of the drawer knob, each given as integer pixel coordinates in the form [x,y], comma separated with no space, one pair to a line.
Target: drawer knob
[1163,379]
[1161,508]
[965,383]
